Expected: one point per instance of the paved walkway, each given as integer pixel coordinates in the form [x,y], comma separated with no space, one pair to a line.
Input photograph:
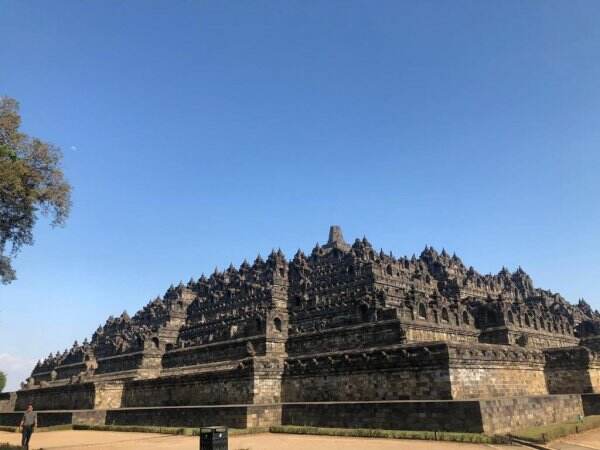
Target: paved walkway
[108,440]
[589,440]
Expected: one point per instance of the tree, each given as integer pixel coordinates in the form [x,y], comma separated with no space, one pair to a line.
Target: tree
[2,381]
[31,182]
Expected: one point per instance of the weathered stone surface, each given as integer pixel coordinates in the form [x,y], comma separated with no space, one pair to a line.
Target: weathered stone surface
[502,415]
[7,401]
[591,404]
[234,416]
[414,415]
[69,396]
[493,416]
[572,370]
[343,323]
[45,419]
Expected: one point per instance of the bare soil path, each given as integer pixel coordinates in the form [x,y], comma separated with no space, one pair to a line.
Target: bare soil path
[589,440]
[108,440]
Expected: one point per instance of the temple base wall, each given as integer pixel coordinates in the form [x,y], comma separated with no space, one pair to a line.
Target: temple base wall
[572,370]
[69,396]
[7,401]
[426,371]
[219,387]
[386,373]
[236,416]
[442,415]
[495,416]
[492,416]
[488,371]
[369,385]
[488,381]
[503,415]
[427,386]
[108,395]
[591,404]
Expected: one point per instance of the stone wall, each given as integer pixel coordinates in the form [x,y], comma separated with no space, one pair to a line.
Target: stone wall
[543,339]
[267,377]
[233,386]
[210,353]
[487,371]
[7,401]
[492,416]
[428,371]
[70,396]
[69,370]
[389,385]
[572,370]
[423,371]
[45,419]
[591,404]
[424,332]
[441,415]
[365,335]
[503,415]
[89,417]
[108,395]
[10,419]
[388,373]
[120,363]
[233,416]
[526,337]
[488,381]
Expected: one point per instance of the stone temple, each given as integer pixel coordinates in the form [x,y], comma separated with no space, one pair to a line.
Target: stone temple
[346,336]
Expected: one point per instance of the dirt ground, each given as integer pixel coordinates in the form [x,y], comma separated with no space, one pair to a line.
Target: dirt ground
[108,440]
[589,440]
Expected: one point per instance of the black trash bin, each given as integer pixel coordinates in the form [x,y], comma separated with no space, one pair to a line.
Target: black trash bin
[213,438]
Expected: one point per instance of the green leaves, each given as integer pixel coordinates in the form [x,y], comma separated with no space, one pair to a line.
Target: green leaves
[7,152]
[31,182]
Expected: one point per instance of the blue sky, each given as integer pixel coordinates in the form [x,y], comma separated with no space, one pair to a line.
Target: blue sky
[196,134]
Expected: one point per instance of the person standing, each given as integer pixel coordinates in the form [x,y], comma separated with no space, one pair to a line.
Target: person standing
[28,424]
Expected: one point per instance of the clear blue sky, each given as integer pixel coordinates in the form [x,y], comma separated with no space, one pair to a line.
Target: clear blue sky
[196,134]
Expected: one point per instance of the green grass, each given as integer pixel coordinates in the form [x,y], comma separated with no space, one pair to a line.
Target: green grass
[38,429]
[185,431]
[541,434]
[547,433]
[392,434]
[351,432]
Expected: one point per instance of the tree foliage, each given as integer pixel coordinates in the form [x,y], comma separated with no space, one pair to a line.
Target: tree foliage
[31,182]
[2,381]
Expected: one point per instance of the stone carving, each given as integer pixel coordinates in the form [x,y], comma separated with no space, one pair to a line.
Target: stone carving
[349,304]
